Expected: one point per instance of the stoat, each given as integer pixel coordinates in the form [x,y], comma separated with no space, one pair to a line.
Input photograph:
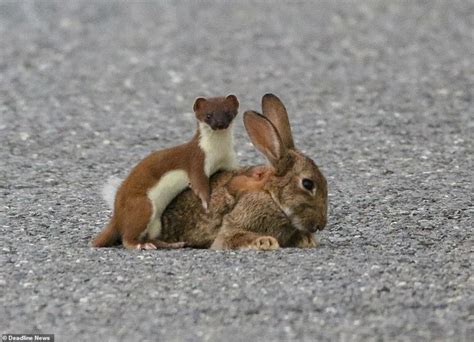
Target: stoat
[156,180]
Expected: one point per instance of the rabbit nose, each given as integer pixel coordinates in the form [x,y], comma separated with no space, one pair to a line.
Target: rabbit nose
[321,225]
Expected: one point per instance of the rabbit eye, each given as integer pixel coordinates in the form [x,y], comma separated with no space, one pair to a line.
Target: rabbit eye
[208,116]
[308,184]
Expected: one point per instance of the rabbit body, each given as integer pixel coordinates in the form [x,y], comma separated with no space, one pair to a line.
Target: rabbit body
[250,220]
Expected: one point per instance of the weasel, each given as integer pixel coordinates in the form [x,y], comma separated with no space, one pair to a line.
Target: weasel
[156,180]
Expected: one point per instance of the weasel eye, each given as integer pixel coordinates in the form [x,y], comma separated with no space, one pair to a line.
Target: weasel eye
[208,116]
[308,184]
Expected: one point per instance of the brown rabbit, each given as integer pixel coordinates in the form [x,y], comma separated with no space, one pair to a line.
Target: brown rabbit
[262,207]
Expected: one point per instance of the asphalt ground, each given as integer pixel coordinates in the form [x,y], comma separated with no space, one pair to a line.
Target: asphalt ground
[380,94]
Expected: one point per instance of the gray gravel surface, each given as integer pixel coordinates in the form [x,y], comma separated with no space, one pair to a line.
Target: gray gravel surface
[379,93]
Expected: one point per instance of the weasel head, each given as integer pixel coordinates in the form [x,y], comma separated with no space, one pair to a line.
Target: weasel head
[216,112]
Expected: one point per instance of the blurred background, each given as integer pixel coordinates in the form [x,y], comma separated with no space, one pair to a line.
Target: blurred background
[379,93]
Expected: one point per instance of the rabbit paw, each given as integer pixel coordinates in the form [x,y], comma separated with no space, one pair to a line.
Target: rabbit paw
[265,243]
[308,242]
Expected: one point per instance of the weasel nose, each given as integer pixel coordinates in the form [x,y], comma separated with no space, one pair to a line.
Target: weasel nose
[221,125]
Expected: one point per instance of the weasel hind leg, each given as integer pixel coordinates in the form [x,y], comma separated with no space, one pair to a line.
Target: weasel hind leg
[137,214]
[143,226]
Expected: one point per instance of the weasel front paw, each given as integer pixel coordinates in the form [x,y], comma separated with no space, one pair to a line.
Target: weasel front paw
[205,206]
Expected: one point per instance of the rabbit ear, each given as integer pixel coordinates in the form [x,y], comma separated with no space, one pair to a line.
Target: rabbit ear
[275,111]
[265,137]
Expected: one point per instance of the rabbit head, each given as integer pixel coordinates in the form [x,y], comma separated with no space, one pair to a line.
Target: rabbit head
[296,184]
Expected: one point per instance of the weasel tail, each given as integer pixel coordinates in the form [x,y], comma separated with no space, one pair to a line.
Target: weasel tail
[108,237]
[109,190]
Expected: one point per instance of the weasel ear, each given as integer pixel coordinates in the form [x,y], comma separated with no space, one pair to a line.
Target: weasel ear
[198,103]
[233,100]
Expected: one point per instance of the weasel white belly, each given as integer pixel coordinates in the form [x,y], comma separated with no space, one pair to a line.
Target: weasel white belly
[161,194]
[218,147]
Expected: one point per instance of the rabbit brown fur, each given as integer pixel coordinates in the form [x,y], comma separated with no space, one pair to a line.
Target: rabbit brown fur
[263,207]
